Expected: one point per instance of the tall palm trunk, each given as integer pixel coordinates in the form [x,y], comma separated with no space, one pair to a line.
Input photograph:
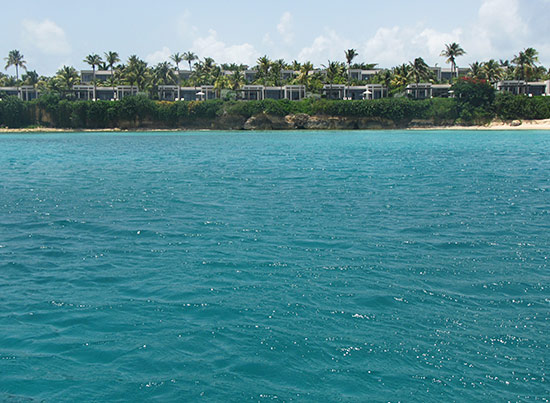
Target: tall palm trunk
[179,86]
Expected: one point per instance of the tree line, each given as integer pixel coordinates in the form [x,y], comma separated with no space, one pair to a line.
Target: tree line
[205,71]
[475,103]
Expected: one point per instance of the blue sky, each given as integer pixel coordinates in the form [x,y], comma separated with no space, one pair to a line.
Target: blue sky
[57,32]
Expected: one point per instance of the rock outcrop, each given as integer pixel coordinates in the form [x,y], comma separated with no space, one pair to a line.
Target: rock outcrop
[303,121]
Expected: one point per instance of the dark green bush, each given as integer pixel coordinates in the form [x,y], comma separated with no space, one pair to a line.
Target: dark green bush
[13,112]
[474,104]
[510,107]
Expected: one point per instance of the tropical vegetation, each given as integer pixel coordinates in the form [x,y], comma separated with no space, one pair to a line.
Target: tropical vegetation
[474,97]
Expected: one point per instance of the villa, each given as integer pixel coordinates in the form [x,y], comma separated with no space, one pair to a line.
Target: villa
[419,91]
[185,74]
[363,75]
[250,75]
[253,92]
[168,92]
[24,92]
[202,93]
[87,76]
[86,92]
[521,87]
[428,90]
[441,91]
[334,91]
[259,92]
[361,92]
[446,73]
[288,74]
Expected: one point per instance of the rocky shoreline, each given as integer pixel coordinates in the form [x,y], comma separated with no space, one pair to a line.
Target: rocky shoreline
[263,122]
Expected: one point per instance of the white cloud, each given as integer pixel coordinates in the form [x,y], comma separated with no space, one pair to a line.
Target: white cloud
[499,31]
[328,46]
[502,17]
[184,27]
[46,36]
[266,40]
[395,45]
[221,52]
[159,56]
[285,28]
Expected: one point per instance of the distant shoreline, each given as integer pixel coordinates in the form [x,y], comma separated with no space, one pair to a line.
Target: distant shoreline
[543,124]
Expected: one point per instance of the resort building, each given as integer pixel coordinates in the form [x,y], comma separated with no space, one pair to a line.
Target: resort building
[86,92]
[253,92]
[334,91]
[446,73]
[294,92]
[419,91]
[288,74]
[259,92]
[441,91]
[360,92]
[520,87]
[369,91]
[123,91]
[185,74]
[250,75]
[202,93]
[363,75]
[168,92]
[87,76]
[24,92]
[274,93]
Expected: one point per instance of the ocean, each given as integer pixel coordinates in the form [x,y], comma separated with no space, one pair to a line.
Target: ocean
[275,266]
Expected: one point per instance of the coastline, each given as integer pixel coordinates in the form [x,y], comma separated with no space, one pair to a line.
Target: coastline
[542,124]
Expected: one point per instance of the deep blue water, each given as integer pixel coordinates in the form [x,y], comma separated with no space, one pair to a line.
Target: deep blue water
[307,266]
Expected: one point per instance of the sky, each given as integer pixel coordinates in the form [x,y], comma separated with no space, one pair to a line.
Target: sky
[54,33]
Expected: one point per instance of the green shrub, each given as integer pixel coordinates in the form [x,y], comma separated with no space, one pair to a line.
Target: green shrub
[510,107]
[13,112]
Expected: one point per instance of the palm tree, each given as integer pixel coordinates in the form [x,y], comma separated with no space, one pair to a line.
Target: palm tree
[68,76]
[295,65]
[276,70]
[507,69]
[93,60]
[303,77]
[190,57]
[401,76]
[178,58]
[111,58]
[222,82]
[419,70]
[137,72]
[236,79]
[264,65]
[384,77]
[493,70]
[333,70]
[525,63]
[350,55]
[164,73]
[15,58]
[31,78]
[477,70]
[451,52]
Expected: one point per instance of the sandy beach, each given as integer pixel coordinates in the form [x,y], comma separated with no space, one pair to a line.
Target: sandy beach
[543,124]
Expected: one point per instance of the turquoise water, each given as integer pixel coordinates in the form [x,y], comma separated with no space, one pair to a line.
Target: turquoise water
[307,266]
